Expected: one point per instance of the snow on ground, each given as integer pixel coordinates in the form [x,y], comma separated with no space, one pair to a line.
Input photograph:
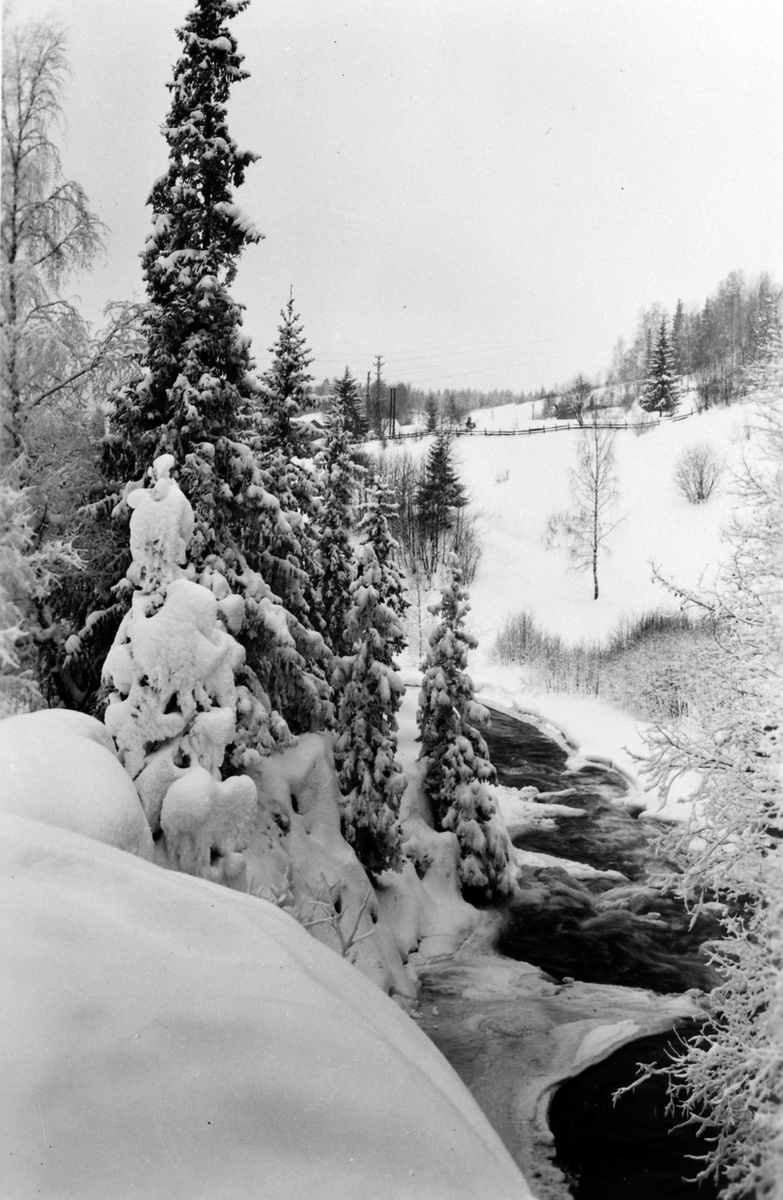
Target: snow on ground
[61,768]
[164,1036]
[517,483]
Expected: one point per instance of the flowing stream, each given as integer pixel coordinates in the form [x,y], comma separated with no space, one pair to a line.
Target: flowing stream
[577,967]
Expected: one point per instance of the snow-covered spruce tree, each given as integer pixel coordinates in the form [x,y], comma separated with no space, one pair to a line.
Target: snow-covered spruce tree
[291,564]
[661,390]
[197,398]
[286,391]
[337,476]
[440,495]
[370,692]
[458,769]
[174,707]
[732,1073]
[380,508]
[353,406]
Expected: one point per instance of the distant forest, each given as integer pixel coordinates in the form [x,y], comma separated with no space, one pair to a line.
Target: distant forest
[711,347]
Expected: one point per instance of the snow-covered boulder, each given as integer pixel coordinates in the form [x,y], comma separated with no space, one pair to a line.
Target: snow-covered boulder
[60,768]
[162,1036]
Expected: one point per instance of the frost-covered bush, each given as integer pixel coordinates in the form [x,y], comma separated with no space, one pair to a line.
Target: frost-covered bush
[28,574]
[697,472]
[176,708]
[458,769]
[732,1072]
[651,665]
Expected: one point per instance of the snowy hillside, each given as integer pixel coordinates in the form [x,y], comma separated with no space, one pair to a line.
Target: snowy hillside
[516,484]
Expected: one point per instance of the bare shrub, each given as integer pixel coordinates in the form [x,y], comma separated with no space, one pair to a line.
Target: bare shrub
[697,472]
[645,423]
[650,666]
[466,543]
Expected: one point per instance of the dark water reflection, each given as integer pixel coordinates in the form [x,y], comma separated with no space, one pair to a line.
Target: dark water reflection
[631,1150]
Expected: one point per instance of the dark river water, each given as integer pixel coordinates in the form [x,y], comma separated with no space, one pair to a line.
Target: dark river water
[634,1149]
[604,930]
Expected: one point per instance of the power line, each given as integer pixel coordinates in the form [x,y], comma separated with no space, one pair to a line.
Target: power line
[426,356]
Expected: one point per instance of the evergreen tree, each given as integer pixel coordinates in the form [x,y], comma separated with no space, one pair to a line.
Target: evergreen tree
[198,386]
[198,398]
[375,528]
[431,411]
[661,392]
[458,769]
[290,556]
[174,702]
[338,476]
[439,496]
[352,404]
[286,384]
[370,694]
[678,340]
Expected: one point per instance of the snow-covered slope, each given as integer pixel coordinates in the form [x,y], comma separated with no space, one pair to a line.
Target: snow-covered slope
[166,1037]
[516,483]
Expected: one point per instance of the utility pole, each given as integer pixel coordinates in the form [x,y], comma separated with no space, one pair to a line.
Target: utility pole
[377,406]
[392,410]
[367,405]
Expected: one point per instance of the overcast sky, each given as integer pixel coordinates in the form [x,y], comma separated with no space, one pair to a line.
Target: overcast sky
[485,192]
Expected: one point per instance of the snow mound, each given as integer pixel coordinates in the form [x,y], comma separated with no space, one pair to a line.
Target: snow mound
[163,1036]
[298,858]
[60,768]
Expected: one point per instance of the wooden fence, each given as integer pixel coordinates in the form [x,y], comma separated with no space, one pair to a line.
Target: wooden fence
[558,427]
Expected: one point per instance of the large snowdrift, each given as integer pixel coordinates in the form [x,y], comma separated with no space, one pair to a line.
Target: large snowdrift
[164,1036]
[61,768]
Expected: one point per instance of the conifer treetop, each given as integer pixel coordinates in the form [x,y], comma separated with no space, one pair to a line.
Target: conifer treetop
[347,395]
[286,381]
[199,231]
[661,390]
[198,382]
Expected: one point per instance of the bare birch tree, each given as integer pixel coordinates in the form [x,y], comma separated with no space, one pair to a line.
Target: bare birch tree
[586,526]
[47,232]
